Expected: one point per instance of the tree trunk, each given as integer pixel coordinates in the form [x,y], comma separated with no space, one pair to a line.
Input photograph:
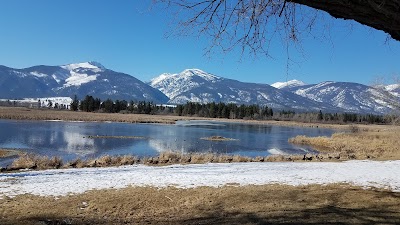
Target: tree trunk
[380,14]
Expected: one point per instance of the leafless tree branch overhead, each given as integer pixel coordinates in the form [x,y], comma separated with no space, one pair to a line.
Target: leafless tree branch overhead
[252,24]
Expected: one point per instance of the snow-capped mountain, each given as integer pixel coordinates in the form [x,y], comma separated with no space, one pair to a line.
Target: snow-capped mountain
[349,97]
[195,85]
[89,78]
[288,84]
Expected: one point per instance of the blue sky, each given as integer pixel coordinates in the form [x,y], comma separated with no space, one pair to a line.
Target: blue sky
[127,36]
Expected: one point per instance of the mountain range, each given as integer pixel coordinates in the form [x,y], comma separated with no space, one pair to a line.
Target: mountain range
[91,78]
[195,85]
[81,79]
[349,97]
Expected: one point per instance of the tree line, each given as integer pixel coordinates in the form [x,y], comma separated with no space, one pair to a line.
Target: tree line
[339,118]
[224,110]
[91,104]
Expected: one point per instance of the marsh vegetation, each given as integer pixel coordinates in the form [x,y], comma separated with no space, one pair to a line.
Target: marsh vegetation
[378,144]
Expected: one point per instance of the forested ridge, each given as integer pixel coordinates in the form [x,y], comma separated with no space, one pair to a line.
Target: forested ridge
[223,110]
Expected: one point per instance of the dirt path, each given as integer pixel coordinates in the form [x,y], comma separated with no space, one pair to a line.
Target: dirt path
[268,204]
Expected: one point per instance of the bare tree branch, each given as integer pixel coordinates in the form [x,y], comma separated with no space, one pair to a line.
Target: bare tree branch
[253,24]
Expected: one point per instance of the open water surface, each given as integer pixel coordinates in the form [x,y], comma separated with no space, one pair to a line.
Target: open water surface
[70,140]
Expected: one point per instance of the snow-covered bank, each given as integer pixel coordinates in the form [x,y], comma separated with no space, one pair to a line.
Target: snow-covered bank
[381,174]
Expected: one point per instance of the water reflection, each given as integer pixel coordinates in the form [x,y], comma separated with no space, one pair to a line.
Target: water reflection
[78,144]
[70,139]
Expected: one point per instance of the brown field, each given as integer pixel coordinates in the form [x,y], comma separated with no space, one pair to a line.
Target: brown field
[267,204]
[16,113]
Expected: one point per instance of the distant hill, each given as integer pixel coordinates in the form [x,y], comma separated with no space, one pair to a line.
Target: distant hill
[195,85]
[89,78]
[349,97]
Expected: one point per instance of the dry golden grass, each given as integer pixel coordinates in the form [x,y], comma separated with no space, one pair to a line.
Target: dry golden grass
[30,161]
[381,144]
[166,158]
[266,204]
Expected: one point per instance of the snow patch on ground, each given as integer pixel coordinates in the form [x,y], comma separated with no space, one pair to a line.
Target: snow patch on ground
[276,151]
[380,174]
[44,101]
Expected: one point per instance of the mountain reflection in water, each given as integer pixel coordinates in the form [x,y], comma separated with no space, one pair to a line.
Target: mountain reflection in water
[70,140]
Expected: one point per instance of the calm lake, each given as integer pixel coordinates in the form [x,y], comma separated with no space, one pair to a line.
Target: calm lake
[70,139]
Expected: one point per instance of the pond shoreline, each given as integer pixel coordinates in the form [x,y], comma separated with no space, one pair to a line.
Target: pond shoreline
[18,113]
[37,162]
[339,148]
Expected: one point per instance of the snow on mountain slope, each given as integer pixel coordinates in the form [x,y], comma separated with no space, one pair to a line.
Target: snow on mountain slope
[393,89]
[288,84]
[172,84]
[195,85]
[349,97]
[79,73]
[81,79]
[94,66]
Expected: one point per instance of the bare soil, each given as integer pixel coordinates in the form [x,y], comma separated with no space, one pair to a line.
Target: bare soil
[268,204]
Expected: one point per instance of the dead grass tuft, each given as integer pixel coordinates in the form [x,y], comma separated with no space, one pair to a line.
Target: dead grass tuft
[103,161]
[314,141]
[169,157]
[30,161]
[198,158]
